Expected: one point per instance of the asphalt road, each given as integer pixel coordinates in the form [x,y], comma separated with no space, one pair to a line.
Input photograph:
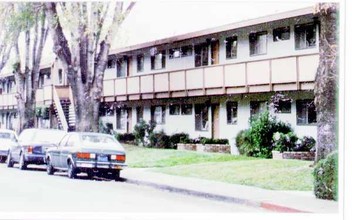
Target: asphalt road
[34,191]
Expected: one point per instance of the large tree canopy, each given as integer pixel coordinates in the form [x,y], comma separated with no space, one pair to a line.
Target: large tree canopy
[82,33]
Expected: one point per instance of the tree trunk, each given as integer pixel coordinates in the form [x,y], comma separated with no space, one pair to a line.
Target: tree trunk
[325,91]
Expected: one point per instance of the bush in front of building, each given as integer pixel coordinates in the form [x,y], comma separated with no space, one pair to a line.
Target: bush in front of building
[284,142]
[306,143]
[204,141]
[257,141]
[178,138]
[142,132]
[326,177]
[159,140]
[125,138]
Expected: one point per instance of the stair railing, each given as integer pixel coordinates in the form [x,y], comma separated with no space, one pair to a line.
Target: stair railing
[72,103]
[59,110]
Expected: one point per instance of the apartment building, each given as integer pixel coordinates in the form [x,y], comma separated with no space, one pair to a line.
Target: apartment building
[206,83]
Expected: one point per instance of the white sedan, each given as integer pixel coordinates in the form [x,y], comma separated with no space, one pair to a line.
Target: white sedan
[8,139]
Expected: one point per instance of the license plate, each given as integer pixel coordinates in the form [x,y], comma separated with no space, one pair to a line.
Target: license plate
[102,158]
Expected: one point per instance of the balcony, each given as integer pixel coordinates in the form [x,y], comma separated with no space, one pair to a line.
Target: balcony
[279,74]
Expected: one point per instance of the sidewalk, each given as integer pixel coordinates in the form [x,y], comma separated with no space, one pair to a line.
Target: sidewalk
[278,201]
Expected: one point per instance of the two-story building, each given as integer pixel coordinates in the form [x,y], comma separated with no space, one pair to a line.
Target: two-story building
[206,83]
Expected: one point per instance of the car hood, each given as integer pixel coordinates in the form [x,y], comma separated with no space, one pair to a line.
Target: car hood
[6,144]
[37,143]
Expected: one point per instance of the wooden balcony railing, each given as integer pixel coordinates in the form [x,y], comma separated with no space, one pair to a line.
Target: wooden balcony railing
[277,74]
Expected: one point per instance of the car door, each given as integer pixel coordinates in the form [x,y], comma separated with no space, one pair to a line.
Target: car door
[66,150]
[55,153]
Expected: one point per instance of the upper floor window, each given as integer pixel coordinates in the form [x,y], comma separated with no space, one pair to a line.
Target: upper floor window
[231,47]
[282,33]
[258,43]
[306,113]
[231,108]
[305,36]
[158,60]
[180,52]
[201,55]
[60,76]
[111,64]
[140,63]
[121,67]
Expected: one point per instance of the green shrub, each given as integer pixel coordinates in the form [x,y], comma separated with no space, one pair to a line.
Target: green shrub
[305,144]
[159,140]
[141,130]
[125,137]
[257,140]
[106,128]
[178,138]
[326,177]
[204,140]
[284,142]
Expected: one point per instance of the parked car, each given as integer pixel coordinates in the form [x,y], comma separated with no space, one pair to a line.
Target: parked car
[8,139]
[32,145]
[85,152]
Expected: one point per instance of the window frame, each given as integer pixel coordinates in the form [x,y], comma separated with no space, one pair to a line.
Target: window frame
[184,107]
[163,60]
[121,116]
[140,67]
[163,113]
[279,109]
[173,111]
[308,104]
[304,27]
[256,42]
[228,52]
[230,105]
[279,31]
[201,117]
[251,103]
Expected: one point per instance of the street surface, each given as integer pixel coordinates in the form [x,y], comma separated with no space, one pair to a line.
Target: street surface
[34,191]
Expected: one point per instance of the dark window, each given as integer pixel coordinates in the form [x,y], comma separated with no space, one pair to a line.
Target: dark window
[120,118]
[186,51]
[111,64]
[158,114]
[158,60]
[122,65]
[305,36]
[201,55]
[282,33]
[186,109]
[306,113]
[257,107]
[174,109]
[231,47]
[201,117]
[283,107]
[174,53]
[231,108]
[60,76]
[140,63]
[258,43]
[139,112]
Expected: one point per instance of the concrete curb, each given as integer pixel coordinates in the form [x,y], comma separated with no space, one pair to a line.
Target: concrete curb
[216,197]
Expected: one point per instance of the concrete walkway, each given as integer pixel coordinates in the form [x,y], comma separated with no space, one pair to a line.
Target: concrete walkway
[278,201]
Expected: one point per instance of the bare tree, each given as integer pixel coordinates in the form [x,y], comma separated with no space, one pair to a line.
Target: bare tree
[326,80]
[91,27]
[29,19]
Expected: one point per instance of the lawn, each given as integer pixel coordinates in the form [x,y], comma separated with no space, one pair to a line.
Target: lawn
[264,173]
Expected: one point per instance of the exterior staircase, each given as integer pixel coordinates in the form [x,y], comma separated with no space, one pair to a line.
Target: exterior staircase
[64,108]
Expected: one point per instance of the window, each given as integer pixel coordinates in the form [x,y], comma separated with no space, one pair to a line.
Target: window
[257,107]
[158,114]
[139,112]
[60,76]
[111,64]
[175,109]
[258,43]
[282,33]
[201,117]
[306,113]
[231,47]
[186,51]
[174,53]
[305,36]
[120,118]
[158,60]
[122,65]
[140,63]
[231,108]
[201,55]
[180,52]
[284,106]
[186,109]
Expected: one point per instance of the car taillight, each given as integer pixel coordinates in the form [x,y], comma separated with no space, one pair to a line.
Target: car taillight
[85,155]
[30,149]
[118,157]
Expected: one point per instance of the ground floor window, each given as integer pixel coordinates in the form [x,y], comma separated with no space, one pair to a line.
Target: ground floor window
[175,109]
[306,113]
[158,114]
[186,109]
[121,118]
[283,106]
[201,117]
[231,108]
[257,107]
[139,112]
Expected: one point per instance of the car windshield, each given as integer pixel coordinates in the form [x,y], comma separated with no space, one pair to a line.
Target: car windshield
[7,135]
[51,136]
[95,138]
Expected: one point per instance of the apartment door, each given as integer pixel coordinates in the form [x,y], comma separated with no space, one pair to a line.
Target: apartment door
[215,114]
[129,120]
[215,52]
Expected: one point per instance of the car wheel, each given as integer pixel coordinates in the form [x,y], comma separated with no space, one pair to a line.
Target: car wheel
[71,172]
[22,163]
[49,167]
[116,175]
[90,174]
[9,162]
